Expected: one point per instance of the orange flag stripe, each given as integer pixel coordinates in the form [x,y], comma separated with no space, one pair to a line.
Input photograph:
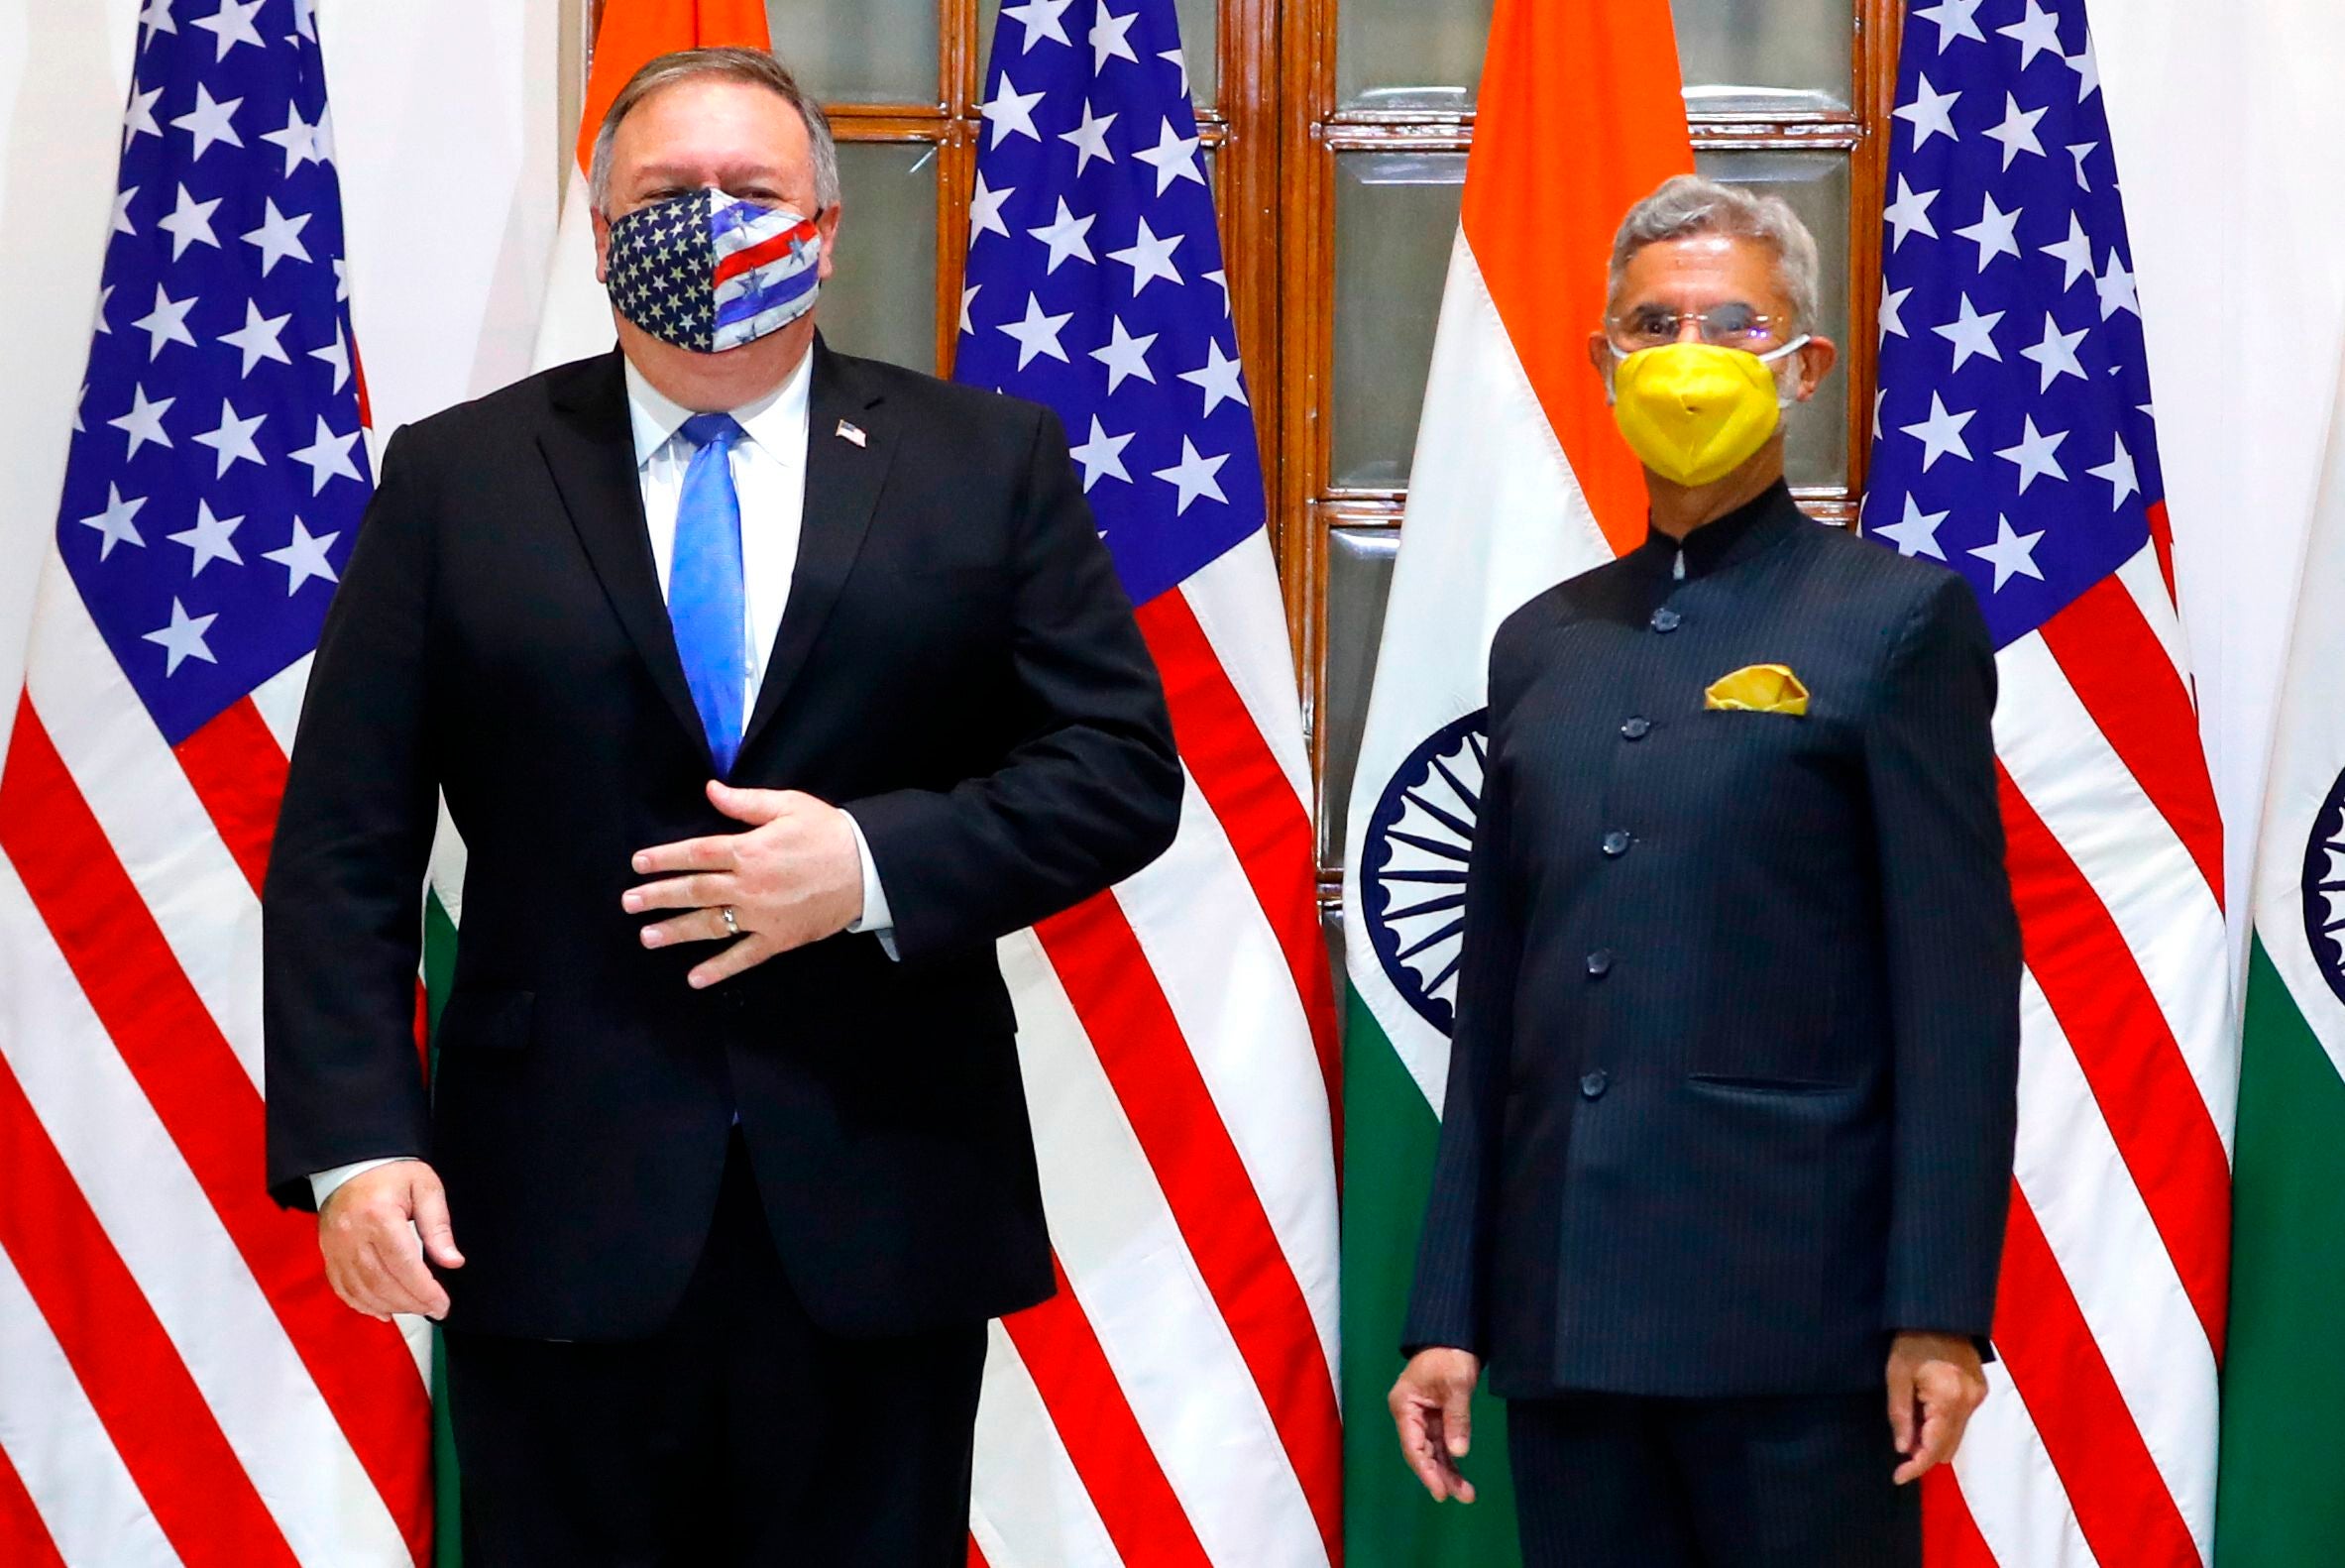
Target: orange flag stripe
[636,32]
[1581,114]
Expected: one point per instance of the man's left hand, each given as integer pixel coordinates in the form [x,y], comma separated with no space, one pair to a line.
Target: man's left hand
[793,879]
[1935,1382]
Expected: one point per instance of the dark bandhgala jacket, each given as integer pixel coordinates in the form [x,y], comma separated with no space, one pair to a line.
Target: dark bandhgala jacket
[957,667]
[1733,1082]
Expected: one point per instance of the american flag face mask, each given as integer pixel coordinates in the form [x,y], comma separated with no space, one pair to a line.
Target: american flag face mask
[709,273]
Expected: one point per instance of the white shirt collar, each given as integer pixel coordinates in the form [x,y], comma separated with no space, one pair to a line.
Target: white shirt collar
[776,421]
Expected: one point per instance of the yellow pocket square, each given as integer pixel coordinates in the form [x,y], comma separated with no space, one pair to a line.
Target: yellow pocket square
[1759,689]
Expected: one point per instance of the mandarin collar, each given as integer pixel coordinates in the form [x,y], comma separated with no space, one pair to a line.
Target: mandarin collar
[1724,542]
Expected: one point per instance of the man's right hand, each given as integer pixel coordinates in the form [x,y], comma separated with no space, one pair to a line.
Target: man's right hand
[1433,1406]
[375,1230]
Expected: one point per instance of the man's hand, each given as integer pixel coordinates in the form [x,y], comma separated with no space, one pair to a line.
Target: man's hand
[1935,1382]
[793,879]
[1433,1406]
[376,1229]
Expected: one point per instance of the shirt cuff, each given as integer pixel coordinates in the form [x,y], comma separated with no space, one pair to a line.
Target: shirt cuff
[322,1184]
[876,920]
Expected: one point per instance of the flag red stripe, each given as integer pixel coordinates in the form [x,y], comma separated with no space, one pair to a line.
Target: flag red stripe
[732,267]
[24,1542]
[2095,985]
[2161,537]
[976,1554]
[2129,684]
[1094,1420]
[1213,1202]
[2113,1487]
[238,771]
[169,1439]
[175,1050]
[1950,1535]
[1252,798]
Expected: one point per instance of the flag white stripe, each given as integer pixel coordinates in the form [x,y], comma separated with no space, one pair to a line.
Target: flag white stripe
[1236,603]
[2109,1250]
[279,699]
[1233,994]
[1031,1508]
[1164,1339]
[2144,875]
[61,1451]
[160,830]
[2143,580]
[158,1221]
[575,321]
[2014,1495]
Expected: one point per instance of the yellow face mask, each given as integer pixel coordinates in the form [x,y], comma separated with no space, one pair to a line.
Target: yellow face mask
[1694,412]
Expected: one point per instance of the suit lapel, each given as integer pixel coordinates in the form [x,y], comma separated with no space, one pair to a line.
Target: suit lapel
[590,447]
[843,485]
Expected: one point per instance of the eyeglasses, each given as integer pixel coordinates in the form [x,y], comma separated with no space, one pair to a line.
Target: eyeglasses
[1729,326]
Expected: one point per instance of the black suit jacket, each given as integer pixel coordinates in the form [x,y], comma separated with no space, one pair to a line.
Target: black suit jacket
[1732,1081]
[958,666]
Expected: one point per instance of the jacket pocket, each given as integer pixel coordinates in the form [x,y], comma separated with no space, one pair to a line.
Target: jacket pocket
[486,1019]
[1746,1083]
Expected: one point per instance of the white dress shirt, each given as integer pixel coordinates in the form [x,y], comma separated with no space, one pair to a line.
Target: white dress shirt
[769,477]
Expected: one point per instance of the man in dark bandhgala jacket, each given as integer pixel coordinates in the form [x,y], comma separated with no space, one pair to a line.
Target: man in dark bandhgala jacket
[1727,1140]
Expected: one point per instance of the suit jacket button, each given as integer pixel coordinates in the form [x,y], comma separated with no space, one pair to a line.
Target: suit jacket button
[1667,619]
[1600,964]
[1615,842]
[1636,728]
[1593,1085]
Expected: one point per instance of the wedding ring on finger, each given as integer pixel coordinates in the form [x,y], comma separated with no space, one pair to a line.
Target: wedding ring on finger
[733,927]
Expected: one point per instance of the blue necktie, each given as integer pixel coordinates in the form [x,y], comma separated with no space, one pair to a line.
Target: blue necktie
[706,596]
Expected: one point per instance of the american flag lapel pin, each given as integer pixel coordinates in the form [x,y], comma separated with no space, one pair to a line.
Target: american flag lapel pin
[853,432]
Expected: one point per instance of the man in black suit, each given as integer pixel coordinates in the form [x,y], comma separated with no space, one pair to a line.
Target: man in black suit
[722,638]
[1730,1099]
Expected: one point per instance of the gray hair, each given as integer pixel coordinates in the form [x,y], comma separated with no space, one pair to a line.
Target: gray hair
[756,67]
[1686,205]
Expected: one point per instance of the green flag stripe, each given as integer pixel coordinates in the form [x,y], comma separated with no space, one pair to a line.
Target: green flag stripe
[1389,1521]
[439,972]
[2279,1503]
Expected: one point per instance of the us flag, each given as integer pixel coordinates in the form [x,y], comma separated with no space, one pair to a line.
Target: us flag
[2014,441]
[1177,1403]
[176,1382]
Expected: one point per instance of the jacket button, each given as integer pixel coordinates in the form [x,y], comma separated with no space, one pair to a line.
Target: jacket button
[1600,964]
[1592,1086]
[1615,842]
[1667,619]
[1636,728]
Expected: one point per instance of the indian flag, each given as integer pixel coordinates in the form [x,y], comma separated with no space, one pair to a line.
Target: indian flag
[2280,1504]
[1520,481]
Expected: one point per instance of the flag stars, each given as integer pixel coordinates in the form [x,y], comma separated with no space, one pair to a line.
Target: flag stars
[1221,277]
[1179,60]
[1941,434]
[1111,38]
[1038,334]
[1955,19]
[1149,256]
[1102,456]
[304,558]
[209,122]
[184,638]
[1892,304]
[1041,19]
[328,457]
[144,422]
[968,297]
[232,24]
[117,523]
[2074,254]
[2017,133]
[1173,158]
[2080,151]
[233,440]
[122,223]
[2034,455]
[1193,475]
[298,140]
[2011,554]
[1065,236]
[212,539]
[1123,355]
[257,339]
[2056,355]
[1089,139]
[1909,215]
[2035,33]
[191,223]
[1219,377]
[2119,471]
[1931,113]
[2087,67]
[138,116]
[1971,333]
[1995,231]
[1011,113]
[155,18]
[278,237]
[985,210]
[2116,289]
[1915,533]
[337,355]
[166,323]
